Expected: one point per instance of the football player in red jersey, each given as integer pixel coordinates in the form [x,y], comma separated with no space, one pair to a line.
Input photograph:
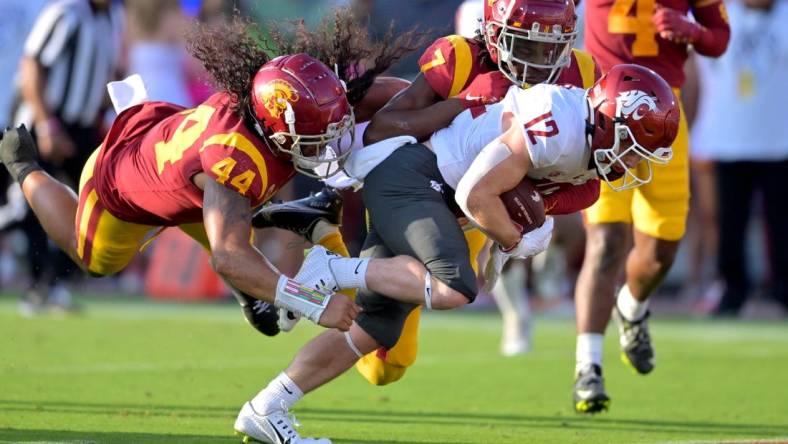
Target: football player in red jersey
[656,34]
[522,42]
[202,170]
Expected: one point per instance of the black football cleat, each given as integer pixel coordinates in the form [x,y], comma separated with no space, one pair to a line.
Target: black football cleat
[589,392]
[261,315]
[300,216]
[636,349]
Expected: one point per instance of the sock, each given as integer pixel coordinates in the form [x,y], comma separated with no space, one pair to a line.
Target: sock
[589,350]
[332,240]
[281,393]
[630,308]
[350,272]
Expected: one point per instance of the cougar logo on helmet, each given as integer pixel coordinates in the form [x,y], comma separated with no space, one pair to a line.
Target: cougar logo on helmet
[631,103]
[275,94]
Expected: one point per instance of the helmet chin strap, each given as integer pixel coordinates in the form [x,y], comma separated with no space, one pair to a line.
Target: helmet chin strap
[290,118]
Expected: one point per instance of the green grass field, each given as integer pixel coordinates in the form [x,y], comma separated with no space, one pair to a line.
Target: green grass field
[134,372]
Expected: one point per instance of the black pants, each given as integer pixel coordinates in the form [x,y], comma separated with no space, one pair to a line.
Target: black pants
[737,183]
[411,212]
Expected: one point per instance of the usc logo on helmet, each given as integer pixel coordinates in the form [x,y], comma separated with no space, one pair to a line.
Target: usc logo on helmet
[275,95]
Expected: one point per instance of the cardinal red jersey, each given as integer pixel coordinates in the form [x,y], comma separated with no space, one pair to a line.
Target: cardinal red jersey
[451,63]
[144,172]
[620,31]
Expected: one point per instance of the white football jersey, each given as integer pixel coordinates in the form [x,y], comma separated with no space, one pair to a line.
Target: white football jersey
[553,119]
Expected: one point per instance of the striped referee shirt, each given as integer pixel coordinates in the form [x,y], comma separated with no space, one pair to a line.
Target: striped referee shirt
[79,46]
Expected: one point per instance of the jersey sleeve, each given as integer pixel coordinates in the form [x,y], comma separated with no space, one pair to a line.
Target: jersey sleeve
[449,64]
[582,71]
[235,162]
[567,198]
[713,16]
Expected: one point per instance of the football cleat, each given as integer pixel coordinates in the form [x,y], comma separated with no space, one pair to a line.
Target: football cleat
[589,391]
[635,340]
[259,314]
[301,216]
[273,428]
[316,271]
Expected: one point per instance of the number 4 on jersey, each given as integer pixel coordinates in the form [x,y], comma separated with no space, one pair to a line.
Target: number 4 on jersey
[620,22]
[184,137]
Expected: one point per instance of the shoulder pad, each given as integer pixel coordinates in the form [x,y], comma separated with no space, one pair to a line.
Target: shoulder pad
[449,64]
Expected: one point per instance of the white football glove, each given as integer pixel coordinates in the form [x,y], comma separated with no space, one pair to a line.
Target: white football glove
[530,244]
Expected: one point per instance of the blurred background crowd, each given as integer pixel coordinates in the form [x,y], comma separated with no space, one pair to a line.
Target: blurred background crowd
[53,72]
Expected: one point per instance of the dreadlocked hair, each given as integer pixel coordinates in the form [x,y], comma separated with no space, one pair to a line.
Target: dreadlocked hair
[341,43]
[232,52]
[484,53]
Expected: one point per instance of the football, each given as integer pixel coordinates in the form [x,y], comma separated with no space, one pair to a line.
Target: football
[525,206]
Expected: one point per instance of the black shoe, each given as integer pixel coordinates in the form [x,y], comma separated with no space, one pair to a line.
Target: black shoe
[259,314]
[636,349]
[589,392]
[18,152]
[300,216]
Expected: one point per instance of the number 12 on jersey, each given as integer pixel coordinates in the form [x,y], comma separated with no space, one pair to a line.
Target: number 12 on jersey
[551,128]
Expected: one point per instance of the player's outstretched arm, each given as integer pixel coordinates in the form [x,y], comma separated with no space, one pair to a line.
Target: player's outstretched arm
[416,111]
[378,95]
[227,218]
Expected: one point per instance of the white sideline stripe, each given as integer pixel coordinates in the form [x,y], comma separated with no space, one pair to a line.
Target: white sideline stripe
[50,442]
[132,367]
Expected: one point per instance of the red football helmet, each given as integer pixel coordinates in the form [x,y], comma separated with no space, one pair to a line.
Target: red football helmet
[530,40]
[299,106]
[634,116]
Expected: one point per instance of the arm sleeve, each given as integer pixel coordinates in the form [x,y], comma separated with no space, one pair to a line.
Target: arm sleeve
[50,35]
[715,32]
[231,166]
[569,198]
[447,65]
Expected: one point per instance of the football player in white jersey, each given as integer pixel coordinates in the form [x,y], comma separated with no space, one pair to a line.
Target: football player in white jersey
[415,252]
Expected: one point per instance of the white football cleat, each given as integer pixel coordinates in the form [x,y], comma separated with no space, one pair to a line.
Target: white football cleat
[315,272]
[273,428]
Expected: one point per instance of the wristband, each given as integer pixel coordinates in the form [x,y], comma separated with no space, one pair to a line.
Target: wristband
[301,299]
